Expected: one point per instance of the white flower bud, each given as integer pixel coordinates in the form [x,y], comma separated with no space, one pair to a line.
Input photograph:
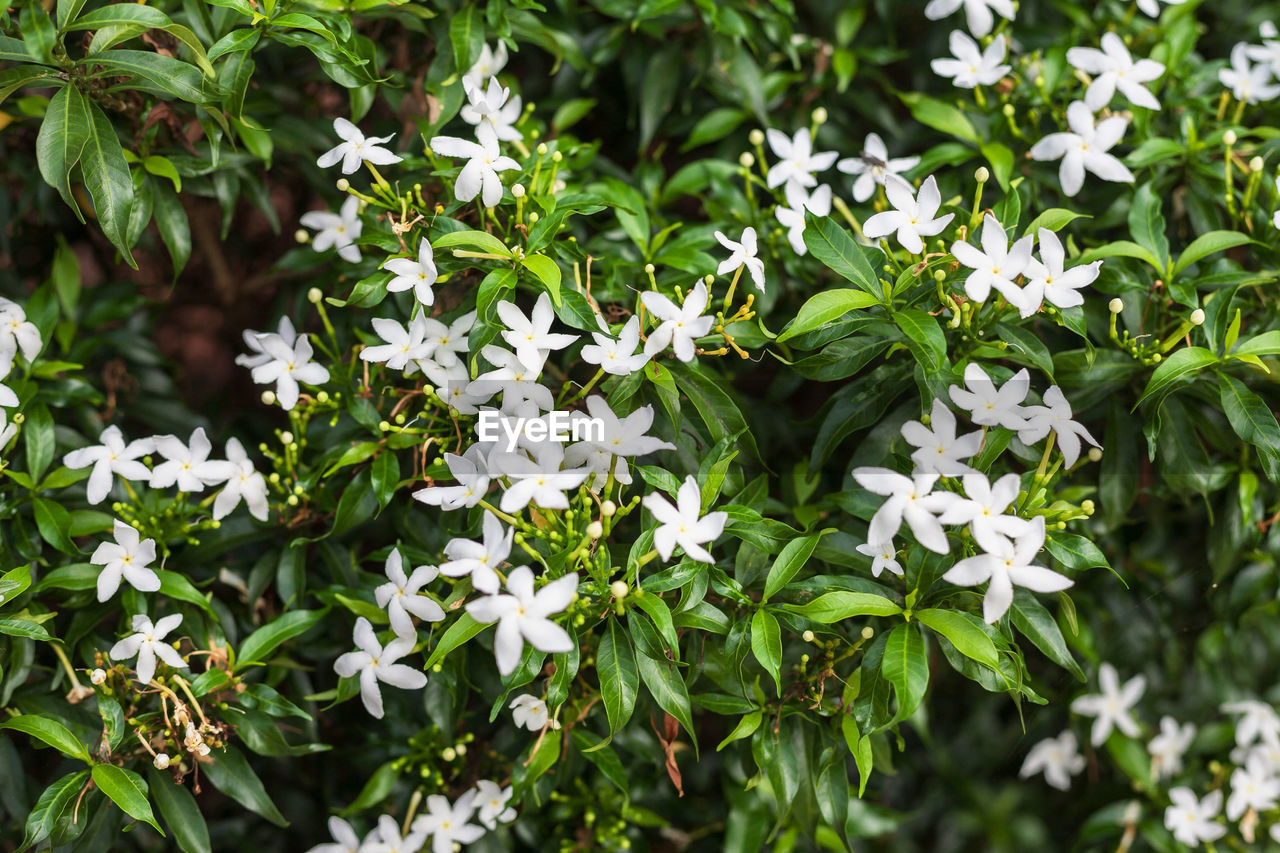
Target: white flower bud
[619,589]
[343,185]
[517,190]
[1229,138]
[595,530]
[269,398]
[868,632]
[1095,454]
[819,115]
[1256,164]
[1197,317]
[982,175]
[286,437]
[608,508]
[807,636]
[534,217]
[448,753]
[161,761]
[756,137]
[542,148]
[314,295]
[98,676]
[1116,305]
[746,159]
[302,236]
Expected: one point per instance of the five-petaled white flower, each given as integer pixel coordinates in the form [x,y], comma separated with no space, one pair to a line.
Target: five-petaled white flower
[913,217]
[529,711]
[1055,415]
[1113,68]
[910,499]
[449,824]
[541,480]
[1248,83]
[187,465]
[336,230]
[791,217]
[681,524]
[289,365]
[1168,747]
[386,838]
[617,357]
[973,66]
[472,474]
[374,663]
[997,265]
[977,12]
[1258,720]
[1084,149]
[493,106]
[522,616]
[991,406]
[531,337]
[147,642]
[1008,564]
[1253,787]
[17,334]
[242,483]
[1049,280]
[1192,821]
[356,147]
[403,347]
[513,375]
[797,161]
[492,800]
[420,274]
[480,560]
[743,254]
[679,327]
[872,167]
[479,177]
[401,598]
[1113,706]
[344,837]
[984,510]
[940,450]
[626,436]
[111,456]
[253,340]
[126,558]
[883,557]
[488,65]
[1058,758]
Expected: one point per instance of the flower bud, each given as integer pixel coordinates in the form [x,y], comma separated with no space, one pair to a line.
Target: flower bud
[448,753]
[534,217]
[595,530]
[556,157]
[1008,110]
[1229,138]
[384,426]
[542,148]
[1116,305]
[98,676]
[756,137]
[343,185]
[1094,454]
[708,279]
[302,235]
[1197,317]
[286,437]
[314,295]
[939,276]
[746,159]
[269,398]
[608,508]
[619,589]
[819,115]
[1256,164]
[1087,506]
[982,175]
[161,761]
[868,632]
[322,397]
[517,190]
[807,636]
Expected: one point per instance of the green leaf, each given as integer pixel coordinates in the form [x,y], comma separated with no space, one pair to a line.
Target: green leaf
[13,79]
[1267,343]
[925,337]
[377,789]
[262,642]
[127,790]
[62,138]
[1181,363]
[790,561]
[832,245]
[38,33]
[1250,416]
[48,731]
[177,587]
[232,775]
[44,815]
[180,813]
[106,175]
[668,689]
[547,271]
[384,476]
[964,633]
[1001,160]
[1208,244]
[835,606]
[14,583]
[1075,552]
[171,222]
[745,728]
[466,33]
[156,72]
[1123,249]
[458,633]
[38,436]
[619,678]
[24,628]
[766,644]
[1147,225]
[1053,219]
[1035,623]
[475,239]
[713,126]
[940,116]
[906,667]
[825,307]
[116,14]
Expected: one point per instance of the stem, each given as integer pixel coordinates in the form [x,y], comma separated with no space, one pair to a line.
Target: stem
[509,519]
[1044,460]
[587,388]
[728,297]
[66,664]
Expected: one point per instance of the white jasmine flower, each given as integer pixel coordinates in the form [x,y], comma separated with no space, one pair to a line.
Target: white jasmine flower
[289,365]
[488,65]
[619,357]
[872,167]
[515,377]
[1055,415]
[1152,7]
[792,217]
[913,216]
[743,255]
[1192,821]
[627,436]
[400,596]
[679,327]
[989,406]
[479,177]
[449,342]
[492,799]
[529,711]
[375,663]
[387,838]
[1258,720]
[1049,280]
[522,616]
[1112,707]
[1269,51]
[472,474]
[447,824]
[984,510]
[403,345]
[336,230]
[7,395]
[147,643]
[1168,747]
[1005,566]
[253,340]
[910,499]
[996,266]
[480,560]
[940,451]
[187,465]
[1084,149]
[356,147]
[17,334]
[8,431]
[977,12]
[243,482]
[1058,758]
[345,839]
[797,160]
[491,106]
[531,336]
[1254,786]
[539,480]
[1113,68]
[112,456]
[973,66]
[126,558]
[1248,83]
[420,274]
[883,556]
[681,524]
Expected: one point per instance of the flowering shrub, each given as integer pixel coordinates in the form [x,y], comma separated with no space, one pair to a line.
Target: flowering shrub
[658,426]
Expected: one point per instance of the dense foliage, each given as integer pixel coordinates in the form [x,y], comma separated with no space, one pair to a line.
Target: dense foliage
[638,425]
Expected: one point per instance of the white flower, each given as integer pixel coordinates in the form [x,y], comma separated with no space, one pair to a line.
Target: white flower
[420,274]
[1248,83]
[355,147]
[872,167]
[884,556]
[111,456]
[187,465]
[973,66]
[1007,565]
[1168,747]
[1269,51]
[480,560]
[681,524]
[1192,821]
[375,663]
[447,824]
[1057,757]
[126,558]
[1084,149]
[8,431]
[1113,68]
[16,334]
[627,436]
[515,377]
[7,395]
[243,482]
[977,12]
[1111,708]
[940,449]
[400,596]
[531,337]
[488,65]
[910,499]
[253,340]
[989,406]
[491,106]
[1055,415]
[336,230]
[387,838]
[913,216]
[492,799]
[1258,720]
[1049,280]
[984,510]
[792,217]
[147,642]
[529,711]
[403,345]
[345,839]
[479,177]
[540,480]
[522,616]
[1254,786]
[743,254]
[679,327]
[288,366]
[619,357]
[472,475]
[996,266]
[797,161]
[1152,7]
